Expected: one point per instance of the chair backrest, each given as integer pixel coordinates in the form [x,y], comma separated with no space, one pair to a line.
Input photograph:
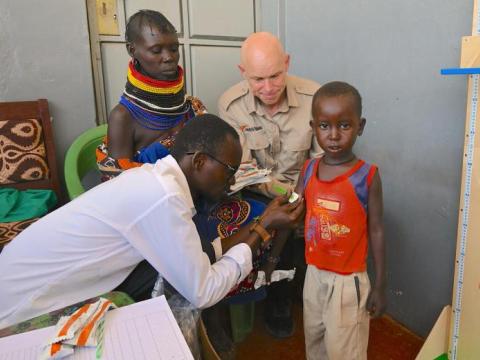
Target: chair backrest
[27,149]
[81,158]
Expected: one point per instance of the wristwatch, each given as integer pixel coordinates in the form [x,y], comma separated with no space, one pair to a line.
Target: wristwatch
[260,230]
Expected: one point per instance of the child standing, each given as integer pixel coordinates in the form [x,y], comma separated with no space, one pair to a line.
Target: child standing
[344,211]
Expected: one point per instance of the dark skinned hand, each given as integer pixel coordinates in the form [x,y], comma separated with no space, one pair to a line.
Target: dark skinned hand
[377,302]
[280,214]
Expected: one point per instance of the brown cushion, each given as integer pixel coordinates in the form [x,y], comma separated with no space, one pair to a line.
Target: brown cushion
[22,151]
[11,229]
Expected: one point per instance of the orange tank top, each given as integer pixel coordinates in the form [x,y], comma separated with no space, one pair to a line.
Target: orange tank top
[336,235]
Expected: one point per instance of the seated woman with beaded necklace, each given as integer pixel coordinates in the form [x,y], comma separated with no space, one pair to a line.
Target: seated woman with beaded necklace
[153,106]
[151,111]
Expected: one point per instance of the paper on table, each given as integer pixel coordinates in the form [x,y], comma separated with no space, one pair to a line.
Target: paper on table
[145,330]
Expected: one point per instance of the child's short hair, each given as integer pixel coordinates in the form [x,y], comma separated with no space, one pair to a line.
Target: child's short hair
[338,88]
[152,18]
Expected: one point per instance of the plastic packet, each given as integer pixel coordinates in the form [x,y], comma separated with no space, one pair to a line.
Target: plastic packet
[78,329]
[186,315]
[277,275]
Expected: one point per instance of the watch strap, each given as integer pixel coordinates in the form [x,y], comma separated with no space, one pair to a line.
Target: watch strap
[260,230]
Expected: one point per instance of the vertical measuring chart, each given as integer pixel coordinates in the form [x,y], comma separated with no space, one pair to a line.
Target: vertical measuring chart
[465,317]
[468,234]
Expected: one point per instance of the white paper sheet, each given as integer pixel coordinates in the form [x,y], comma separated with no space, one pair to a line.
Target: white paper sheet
[143,331]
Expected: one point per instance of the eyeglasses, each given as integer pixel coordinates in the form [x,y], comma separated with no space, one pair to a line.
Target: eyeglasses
[232,170]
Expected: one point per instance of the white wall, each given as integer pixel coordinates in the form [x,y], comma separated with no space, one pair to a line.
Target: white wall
[45,53]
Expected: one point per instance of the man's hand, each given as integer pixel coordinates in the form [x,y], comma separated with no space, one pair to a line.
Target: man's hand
[280,214]
[377,302]
[271,189]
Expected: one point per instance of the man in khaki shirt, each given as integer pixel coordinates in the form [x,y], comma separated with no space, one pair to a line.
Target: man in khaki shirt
[271,112]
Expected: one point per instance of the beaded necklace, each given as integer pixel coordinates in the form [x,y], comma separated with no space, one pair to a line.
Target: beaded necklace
[155,104]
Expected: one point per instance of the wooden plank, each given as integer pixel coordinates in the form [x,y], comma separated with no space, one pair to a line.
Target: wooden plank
[470,54]
[465,316]
[107,20]
[437,341]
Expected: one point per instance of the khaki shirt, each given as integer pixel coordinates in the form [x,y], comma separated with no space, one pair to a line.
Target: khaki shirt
[281,143]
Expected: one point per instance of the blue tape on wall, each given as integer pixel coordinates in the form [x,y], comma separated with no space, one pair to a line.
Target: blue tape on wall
[460,71]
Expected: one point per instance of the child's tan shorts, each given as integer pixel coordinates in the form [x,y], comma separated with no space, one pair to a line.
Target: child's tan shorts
[334,314]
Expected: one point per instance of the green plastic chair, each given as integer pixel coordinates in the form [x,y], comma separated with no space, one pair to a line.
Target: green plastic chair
[80,159]
[242,319]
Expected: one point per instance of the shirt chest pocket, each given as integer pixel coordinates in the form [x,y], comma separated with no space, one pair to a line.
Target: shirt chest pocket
[296,141]
[294,151]
[255,138]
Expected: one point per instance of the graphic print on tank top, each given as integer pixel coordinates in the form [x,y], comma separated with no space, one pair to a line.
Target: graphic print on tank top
[336,218]
[326,229]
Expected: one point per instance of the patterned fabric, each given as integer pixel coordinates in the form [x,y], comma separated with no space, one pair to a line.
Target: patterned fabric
[231,215]
[22,152]
[224,220]
[11,229]
[336,233]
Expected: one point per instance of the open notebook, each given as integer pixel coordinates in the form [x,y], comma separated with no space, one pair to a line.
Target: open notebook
[145,330]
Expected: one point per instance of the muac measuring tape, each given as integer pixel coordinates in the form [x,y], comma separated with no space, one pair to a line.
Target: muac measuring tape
[465,213]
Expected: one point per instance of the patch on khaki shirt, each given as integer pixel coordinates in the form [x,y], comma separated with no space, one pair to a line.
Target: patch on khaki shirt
[252,128]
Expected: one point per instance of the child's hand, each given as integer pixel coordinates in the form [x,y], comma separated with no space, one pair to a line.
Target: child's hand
[377,302]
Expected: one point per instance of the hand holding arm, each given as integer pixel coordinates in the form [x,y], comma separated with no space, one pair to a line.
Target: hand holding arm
[279,215]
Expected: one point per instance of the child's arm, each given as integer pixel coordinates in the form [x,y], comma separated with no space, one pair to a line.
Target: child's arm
[269,266]
[377,300]
[299,188]
[281,236]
